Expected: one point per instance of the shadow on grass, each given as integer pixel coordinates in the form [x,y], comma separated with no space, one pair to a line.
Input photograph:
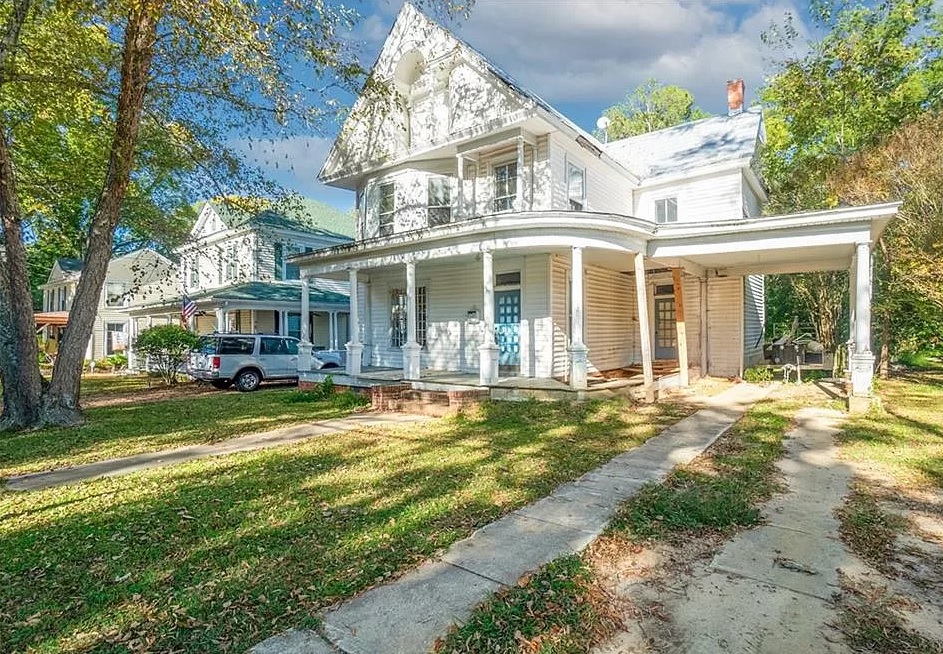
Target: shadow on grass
[215,555]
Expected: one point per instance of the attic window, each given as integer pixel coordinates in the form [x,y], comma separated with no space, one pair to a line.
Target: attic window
[666,210]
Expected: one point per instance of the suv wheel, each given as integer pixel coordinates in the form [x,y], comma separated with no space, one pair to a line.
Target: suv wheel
[248,380]
[221,384]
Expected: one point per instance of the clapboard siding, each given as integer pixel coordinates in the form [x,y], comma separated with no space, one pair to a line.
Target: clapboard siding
[754,317]
[610,318]
[752,204]
[693,305]
[606,189]
[560,316]
[724,325]
[703,199]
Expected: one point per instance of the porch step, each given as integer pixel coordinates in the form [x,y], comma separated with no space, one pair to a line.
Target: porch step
[403,397]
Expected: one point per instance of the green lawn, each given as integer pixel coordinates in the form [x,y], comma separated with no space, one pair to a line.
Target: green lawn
[131,427]
[218,554]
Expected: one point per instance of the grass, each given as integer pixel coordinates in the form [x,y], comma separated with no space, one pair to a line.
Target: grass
[128,428]
[215,555]
[871,621]
[558,610]
[720,491]
[868,530]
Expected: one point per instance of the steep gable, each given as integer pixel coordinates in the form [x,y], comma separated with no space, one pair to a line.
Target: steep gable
[426,88]
[208,222]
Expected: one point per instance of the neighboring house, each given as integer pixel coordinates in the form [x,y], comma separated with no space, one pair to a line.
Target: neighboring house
[235,267]
[128,279]
[499,241]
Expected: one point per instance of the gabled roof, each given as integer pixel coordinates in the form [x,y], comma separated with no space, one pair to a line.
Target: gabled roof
[68,265]
[689,146]
[304,215]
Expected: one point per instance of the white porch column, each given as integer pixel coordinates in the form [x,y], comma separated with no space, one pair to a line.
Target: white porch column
[702,309]
[411,349]
[488,352]
[253,319]
[519,196]
[862,361]
[460,172]
[332,330]
[220,320]
[578,349]
[645,336]
[852,308]
[304,347]
[354,347]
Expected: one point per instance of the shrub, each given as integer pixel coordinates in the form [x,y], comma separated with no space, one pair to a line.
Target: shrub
[166,347]
[758,375]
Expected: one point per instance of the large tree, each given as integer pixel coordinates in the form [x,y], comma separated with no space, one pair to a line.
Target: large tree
[204,73]
[876,67]
[652,106]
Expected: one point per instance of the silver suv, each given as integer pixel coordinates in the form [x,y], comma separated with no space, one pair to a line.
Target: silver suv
[246,360]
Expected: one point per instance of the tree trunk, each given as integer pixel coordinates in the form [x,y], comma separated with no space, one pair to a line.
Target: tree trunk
[19,353]
[61,402]
[884,359]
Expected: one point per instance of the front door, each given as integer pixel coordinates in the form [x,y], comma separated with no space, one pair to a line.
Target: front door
[666,331]
[508,326]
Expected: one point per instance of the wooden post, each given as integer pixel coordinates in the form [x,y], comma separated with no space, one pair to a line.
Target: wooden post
[645,334]
[680,326]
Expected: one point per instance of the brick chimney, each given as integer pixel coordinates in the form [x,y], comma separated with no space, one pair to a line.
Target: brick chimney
[735,92]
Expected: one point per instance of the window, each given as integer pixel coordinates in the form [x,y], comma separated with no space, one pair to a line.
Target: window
[272,346]
[236,345]
[292,270]
[293,325]
[576,187]
[194,273]
[398,318]
[279,261]
[505,187]
[507,279]
[62,300]
[115,340]
[386,208]
[114,294]
[666,210]
[232,262]
[440,201]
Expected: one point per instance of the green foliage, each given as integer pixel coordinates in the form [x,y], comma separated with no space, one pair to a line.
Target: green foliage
[320,391]
[557,610]
[165,347]
[111,363]
[758,375]
[652,106]
[722,493]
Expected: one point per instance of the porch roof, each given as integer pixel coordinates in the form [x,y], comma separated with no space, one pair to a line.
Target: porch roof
[253,295]
[806,242]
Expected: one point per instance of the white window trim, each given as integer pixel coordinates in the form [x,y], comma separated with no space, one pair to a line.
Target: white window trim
[449,205]
[568,163]
[494,180]
[391,213]
[666,198]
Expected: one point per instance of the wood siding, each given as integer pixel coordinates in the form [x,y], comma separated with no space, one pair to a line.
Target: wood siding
[702,199]
[611,322]
[754,319]
[606,189]
[560,315]
[725,325]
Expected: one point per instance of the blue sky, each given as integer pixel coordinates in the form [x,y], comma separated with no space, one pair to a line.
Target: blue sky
[580,55]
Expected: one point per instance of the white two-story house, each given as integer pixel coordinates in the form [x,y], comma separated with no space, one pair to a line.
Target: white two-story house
[235,266]
[500,243]
[129,279]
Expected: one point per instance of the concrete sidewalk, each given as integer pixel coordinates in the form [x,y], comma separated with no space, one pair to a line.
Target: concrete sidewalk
[408,615]
[136,463]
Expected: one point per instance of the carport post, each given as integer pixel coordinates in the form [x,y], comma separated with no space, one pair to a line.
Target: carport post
[645,336]
[488,352]
[862,361]
[578,349]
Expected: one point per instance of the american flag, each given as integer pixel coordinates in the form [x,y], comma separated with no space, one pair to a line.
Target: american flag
[187,308]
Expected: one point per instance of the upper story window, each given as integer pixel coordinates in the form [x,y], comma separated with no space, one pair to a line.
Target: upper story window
[666,210]
[505,186]
[292,270]
[387,208]
[232,262]
[440,201]
[194,273]
[576,187]
[279,261]
[62,299]
[114,294]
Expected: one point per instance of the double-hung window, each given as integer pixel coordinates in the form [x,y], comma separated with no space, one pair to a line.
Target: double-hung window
[439,201]
[666,210]
[279,261]
[387,208]
[232,262]
[114,294]
[399,313]
[505,187]
[575,187]
[195,272]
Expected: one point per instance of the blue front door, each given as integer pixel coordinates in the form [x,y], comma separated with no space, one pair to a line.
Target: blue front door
[508,326]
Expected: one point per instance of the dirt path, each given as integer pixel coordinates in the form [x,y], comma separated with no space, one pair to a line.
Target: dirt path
[769,589]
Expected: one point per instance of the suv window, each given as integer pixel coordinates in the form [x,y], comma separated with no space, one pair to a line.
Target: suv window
[236,345]
[207,345]
[272,346]
[291,346]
